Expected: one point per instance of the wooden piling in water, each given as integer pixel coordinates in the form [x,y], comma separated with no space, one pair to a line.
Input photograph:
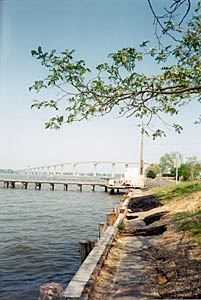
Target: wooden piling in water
[80,187]
[65,187]
[102,229]
[52,186]
[38,186]
[25,185]
[111,217]
[85,248]
[6,184]
[12,185]
[117,210]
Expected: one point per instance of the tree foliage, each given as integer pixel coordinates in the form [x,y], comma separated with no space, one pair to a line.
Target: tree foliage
[152,170]
[117,84]
[167,161]
[187,170]
[151,174]
[163,22]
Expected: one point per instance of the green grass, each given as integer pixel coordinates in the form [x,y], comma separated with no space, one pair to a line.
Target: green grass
[187,221]
[120,226]
[175,191]
[191,222]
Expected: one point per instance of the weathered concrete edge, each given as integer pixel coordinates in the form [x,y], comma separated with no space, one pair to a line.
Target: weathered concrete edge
[83,281]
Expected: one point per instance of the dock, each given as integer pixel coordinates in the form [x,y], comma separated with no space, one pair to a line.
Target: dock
[23,183]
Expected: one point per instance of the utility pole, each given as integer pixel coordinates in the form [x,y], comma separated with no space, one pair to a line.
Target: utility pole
[192,166]
[141,150]
[177,165]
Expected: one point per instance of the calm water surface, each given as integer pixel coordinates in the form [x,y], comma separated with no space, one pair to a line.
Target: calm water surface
[40,233]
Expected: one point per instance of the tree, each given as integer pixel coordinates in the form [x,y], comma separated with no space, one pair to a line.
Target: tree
[117,84]
[189,170]
[152,170]
[163,21]
[195,167]
[151,174]
[167,161]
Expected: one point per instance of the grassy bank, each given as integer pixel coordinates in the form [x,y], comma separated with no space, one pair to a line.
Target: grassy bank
[191,222]
[183,200]
[175,192]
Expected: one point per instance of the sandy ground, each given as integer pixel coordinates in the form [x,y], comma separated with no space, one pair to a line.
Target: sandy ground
[143,264]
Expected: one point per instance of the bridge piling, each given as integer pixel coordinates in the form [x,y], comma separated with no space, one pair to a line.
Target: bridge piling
[52,186]
[65,187]
[38,186]
[12,185]
[25,185]
[6,184]
[80,187]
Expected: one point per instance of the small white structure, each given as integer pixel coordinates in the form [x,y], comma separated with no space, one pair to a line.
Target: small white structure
[132,177]
[112,181]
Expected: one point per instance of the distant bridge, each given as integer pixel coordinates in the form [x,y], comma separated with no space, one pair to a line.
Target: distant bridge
[58,169]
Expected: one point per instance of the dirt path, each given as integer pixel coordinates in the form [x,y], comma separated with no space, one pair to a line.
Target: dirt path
[150,259]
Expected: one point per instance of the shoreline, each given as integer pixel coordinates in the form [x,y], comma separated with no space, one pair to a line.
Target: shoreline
[148,258]
[83,281]
[151,259]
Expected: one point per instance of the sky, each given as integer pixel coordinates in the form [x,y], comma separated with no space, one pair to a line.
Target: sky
[94,29]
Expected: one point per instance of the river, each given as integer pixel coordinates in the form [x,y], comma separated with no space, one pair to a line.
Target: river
[40,233]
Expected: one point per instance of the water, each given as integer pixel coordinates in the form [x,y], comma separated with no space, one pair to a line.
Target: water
[40,233]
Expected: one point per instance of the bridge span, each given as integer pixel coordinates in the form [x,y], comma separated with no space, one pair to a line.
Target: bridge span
[59,169]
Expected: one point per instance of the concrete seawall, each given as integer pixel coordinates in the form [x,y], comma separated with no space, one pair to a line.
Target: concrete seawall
[82,282]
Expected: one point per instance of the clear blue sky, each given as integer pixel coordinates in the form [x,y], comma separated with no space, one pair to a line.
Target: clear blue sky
[94,28]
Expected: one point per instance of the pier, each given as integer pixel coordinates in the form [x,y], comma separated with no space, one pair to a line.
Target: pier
[23,183]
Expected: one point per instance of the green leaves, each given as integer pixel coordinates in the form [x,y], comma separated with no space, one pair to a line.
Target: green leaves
[55,122]
[158,133]
[117,84]
[144,44]
[178,128]
[38,104]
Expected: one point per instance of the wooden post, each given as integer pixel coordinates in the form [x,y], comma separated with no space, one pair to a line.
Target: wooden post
[6,184]
[12,185]
[85,248]
[105,188]
[112,191]
[65,187]
[38,186]
[93,188]
[80,187]
[117,210]
[51,291]
[111,217]
[52,186]
[102,229]
[25,184]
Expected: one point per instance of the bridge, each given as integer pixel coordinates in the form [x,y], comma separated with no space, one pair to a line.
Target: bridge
[59,169]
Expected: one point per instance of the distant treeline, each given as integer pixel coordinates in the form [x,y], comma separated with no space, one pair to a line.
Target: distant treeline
[6,171]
